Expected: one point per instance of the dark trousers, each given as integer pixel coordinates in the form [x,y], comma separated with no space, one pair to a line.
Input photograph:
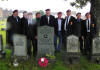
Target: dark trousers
[35,48]
[9,39]
[81,44]
[29,52]
[88,45]
[32,43]
[58,45]
[1,43]
[65,35]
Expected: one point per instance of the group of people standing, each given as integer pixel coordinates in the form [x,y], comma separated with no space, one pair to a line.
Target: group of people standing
[63,27]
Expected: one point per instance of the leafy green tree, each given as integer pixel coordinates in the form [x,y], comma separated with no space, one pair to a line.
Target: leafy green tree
[42,12]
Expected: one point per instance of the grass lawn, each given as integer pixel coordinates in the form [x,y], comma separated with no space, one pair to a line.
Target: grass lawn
[5,64]
[3,33]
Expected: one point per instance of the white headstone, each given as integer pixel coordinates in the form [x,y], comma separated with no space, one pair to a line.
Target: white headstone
[20,45]
[96,45]
[73,44]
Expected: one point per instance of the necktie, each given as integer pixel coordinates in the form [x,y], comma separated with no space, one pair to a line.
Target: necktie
[16,19]
[48,19]
[88,25]
[78,20]
[67,21]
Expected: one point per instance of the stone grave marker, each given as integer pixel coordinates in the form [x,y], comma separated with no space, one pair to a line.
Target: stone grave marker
[20,46]
[1,43]
[72,53]
[45,41]
[96,49]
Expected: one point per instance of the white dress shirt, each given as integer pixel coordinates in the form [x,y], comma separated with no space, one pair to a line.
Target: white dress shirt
[59,24]
[16,18]
[48,19]
[30,21]
[88,29]
[67,21]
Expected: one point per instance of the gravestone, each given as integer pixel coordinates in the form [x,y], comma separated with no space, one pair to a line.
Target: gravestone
[1,43]
[20,46]
[45,41]
[72,53]
[96,49]
[2,53]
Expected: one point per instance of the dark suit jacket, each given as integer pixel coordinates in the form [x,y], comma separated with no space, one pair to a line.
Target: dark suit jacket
[37,24]
[24,26]
[28,30]
[56,25]
[69,27]
[14,28]
[93,30]
[14,25]
[44,21]
[77,28]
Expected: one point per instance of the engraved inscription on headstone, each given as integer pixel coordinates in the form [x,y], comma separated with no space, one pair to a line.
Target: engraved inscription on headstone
[20,45]
[45,40]
[72,53]
[96,45]
[72,44]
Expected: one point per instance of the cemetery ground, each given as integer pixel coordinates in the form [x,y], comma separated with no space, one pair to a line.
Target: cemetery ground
[5,64]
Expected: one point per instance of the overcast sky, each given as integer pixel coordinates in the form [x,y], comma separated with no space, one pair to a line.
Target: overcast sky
[35,5]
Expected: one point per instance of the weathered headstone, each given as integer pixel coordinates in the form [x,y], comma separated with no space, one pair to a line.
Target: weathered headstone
[96,49]
[2,53]
[1,43]
[72,53]
[45,41]
[20,46]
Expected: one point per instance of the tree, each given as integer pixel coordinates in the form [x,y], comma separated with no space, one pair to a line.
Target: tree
[42,12]
[94,9]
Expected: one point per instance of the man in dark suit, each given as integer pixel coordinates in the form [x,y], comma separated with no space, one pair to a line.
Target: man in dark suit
[38,17]
[13,24]
[88,32]
[31,35]
[47,19]
[68,26]
[58,31]
[24,23]
[25,31]
[36,25]
[77,27]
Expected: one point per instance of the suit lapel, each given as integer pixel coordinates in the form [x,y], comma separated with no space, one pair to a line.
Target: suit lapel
[49,18]
[46,19]
[90,23]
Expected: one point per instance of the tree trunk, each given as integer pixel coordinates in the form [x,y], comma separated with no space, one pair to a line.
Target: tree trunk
[95,11]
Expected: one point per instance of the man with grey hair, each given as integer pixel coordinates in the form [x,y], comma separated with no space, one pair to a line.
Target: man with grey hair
[31,34]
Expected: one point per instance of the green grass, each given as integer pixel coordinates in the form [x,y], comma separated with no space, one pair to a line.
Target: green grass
[5,64]
[3,33]
[2,24]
